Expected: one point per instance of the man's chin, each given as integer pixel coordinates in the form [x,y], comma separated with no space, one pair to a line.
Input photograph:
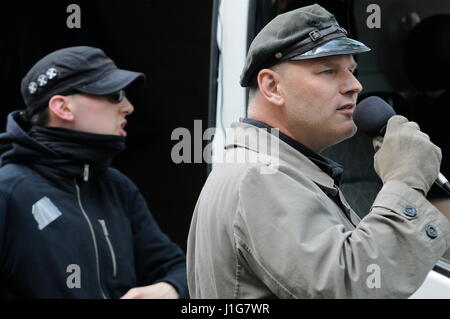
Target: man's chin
[346,133]
[122,133]
[352,131]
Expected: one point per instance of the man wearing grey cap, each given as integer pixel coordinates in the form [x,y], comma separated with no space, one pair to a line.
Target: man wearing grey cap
[71,226]
[279,226]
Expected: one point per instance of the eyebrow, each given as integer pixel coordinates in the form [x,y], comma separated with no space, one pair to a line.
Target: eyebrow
[330,64]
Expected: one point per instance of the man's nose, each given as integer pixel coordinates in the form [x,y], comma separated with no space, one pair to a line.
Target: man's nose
[127,108]
[351,85]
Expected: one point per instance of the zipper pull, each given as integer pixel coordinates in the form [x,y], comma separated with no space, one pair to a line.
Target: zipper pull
[86,173]
[105,230]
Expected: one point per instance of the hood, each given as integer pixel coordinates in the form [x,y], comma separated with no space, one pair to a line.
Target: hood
[16,146]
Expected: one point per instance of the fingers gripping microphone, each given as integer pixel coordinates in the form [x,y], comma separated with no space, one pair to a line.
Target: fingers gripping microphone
[371,117]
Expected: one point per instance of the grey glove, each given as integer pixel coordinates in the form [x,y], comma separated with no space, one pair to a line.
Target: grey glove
[408,155]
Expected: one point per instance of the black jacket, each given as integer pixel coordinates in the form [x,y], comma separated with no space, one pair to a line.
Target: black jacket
[69,229]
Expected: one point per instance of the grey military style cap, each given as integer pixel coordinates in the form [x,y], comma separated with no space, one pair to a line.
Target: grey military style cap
[305,33]
[72,70]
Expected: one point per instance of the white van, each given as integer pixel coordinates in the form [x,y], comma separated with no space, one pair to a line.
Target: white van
[389,28]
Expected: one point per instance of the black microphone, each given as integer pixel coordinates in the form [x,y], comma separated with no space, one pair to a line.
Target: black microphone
[371,116]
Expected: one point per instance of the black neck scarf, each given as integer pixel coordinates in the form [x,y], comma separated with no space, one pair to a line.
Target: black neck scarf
[73,150]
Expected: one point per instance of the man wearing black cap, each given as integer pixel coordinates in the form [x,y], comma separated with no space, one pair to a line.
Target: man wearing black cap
[279,226]
[71,226]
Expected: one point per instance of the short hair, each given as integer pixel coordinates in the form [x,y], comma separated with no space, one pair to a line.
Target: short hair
[40,118]
[253,86]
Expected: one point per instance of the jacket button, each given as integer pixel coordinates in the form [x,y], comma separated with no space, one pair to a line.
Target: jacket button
[410,211]
[431,231]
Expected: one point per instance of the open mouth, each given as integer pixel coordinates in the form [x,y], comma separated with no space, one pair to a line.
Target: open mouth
[122,131]
[346,107]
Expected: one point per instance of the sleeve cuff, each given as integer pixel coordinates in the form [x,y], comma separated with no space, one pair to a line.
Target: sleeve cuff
[413,206]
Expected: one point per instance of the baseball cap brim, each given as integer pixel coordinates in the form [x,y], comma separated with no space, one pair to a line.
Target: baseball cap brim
[112,81]
[339,46]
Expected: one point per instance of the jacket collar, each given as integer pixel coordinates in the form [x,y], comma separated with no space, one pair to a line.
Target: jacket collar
[277,152]
[330,167]
[59,155]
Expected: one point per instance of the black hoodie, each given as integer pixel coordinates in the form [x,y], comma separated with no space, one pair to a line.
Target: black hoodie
[71,226]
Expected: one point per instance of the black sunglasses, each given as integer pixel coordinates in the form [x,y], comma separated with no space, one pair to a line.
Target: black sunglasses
[117,97]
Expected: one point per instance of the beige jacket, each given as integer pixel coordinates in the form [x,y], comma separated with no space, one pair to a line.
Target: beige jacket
[265,226]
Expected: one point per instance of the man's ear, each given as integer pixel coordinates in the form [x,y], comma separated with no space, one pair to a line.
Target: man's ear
[268,82]
[60,108]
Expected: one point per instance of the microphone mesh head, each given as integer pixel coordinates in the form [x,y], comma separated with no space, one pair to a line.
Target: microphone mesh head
[372,114]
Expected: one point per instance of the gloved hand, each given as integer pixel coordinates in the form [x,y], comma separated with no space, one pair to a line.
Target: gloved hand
[408,155]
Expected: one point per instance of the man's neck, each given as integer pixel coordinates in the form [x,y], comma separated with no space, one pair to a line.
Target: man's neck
[274,123]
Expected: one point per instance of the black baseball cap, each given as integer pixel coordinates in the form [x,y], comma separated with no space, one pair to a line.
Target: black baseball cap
[305,33]
[72,70]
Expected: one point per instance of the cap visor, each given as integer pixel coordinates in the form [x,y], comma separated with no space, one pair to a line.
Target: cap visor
[112,82]
[337,46]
